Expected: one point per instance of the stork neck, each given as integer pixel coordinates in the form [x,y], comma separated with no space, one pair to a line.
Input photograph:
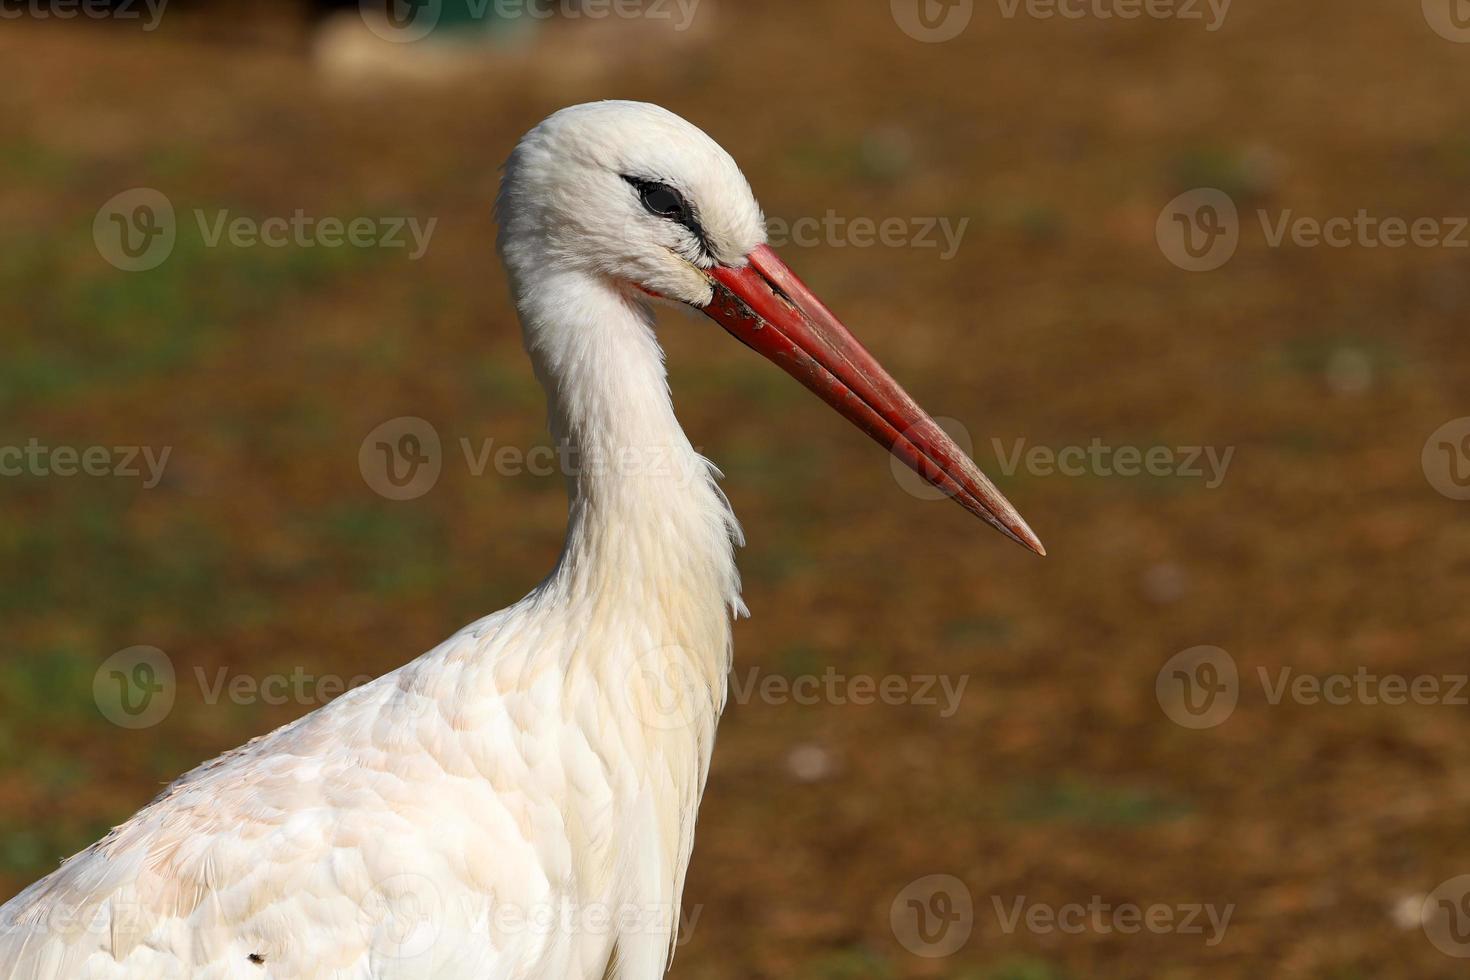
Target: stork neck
[645,513]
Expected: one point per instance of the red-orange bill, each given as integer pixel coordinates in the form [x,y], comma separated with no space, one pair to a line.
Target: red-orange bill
[767,308]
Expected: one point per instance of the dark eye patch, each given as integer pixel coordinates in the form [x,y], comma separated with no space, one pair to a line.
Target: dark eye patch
[666,202]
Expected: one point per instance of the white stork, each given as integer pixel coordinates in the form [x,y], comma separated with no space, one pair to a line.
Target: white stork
[518,802]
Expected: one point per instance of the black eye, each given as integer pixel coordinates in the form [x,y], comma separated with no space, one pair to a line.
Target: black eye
[662,199]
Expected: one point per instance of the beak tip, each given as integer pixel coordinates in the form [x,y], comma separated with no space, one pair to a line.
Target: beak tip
[1020,532]
[1031,541]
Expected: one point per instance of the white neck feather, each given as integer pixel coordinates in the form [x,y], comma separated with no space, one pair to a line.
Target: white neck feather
[647,521]
[646,581]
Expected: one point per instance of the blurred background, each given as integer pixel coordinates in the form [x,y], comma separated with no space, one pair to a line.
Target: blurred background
[1232,700]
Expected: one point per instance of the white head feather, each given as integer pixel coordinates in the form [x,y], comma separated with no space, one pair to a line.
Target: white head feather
[568,201]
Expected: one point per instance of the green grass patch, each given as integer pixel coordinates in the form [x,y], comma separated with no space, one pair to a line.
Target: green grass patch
[850,964]
[385,548]
[1020,968]
[51,686]
[76,323]
[1075,800]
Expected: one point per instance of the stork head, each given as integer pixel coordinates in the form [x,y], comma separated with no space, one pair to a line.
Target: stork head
[630,193]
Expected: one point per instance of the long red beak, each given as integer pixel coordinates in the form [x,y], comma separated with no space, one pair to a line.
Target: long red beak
[768,309]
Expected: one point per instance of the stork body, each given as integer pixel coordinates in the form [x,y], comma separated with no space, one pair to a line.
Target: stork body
[519,802]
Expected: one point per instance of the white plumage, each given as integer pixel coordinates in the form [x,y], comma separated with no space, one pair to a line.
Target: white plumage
[510,773]
[519,802]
